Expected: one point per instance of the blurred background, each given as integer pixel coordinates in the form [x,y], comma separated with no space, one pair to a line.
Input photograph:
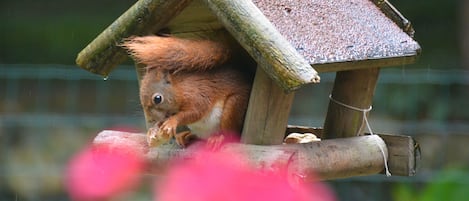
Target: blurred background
[50,108]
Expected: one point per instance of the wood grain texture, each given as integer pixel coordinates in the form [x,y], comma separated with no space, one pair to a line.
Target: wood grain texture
[342,158]
[267,115]
[404,151]
[354,88]
[404,154]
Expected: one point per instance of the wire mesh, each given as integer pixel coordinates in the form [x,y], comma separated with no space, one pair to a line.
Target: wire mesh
[48,112]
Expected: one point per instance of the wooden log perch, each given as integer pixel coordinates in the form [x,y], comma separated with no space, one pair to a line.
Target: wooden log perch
[144,17]
[264,43]
[328,159]
[403,151]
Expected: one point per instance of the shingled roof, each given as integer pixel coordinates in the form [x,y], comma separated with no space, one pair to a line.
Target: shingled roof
[328,32]
[329,35]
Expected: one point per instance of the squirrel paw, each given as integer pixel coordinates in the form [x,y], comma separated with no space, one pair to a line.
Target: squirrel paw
[215,142]
[184,138]
[168,128]
[154,138]
[218,139]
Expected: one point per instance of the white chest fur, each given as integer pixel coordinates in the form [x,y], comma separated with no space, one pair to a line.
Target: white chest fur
[208,124]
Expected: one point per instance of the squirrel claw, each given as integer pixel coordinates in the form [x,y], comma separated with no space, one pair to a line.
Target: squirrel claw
[215,142]
[184,138]
[168,128]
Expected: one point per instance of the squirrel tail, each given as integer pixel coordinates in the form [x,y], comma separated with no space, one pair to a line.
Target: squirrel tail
[176,54]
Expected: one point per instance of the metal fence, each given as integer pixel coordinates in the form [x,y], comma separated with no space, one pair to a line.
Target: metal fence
[48,112]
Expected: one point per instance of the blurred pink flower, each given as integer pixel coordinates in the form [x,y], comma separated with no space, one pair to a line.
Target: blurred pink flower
[227,177]
[101,173]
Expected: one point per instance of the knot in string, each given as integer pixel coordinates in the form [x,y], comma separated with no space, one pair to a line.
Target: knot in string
[364,120]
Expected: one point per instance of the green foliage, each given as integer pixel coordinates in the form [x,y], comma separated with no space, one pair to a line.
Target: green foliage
[437,29]
[404,192]
[448,185]
[53,31]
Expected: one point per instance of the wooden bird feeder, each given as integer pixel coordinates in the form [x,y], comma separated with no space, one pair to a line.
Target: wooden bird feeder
[354,38]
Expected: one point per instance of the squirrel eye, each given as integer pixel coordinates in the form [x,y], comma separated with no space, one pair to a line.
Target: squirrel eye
[157,98]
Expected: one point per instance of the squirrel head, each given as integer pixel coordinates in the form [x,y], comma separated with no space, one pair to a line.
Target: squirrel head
[157,96]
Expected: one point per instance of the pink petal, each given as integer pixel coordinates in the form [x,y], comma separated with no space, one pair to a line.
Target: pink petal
[226,176]
[98,173]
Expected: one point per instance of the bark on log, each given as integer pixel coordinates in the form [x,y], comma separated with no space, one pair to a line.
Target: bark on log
[328,159]
[264,43]
[342,158]
[144,17]
[403,151]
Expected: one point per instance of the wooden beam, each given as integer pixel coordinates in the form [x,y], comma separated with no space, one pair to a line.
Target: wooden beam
[353,88]
[404,151]
[264,43]
[342,158]
[328,159]
[404,154]
[267,115]
[361,64]
[144,17]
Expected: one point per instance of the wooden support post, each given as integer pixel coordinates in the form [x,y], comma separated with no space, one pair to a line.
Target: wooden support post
[354,88]
[267,114]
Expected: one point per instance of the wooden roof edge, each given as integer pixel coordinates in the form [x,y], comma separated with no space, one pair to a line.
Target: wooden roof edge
[392,13]
[146,16]
[378,62]
[248,25]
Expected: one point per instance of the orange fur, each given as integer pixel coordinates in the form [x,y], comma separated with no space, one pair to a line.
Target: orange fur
[177,54]
[198,79]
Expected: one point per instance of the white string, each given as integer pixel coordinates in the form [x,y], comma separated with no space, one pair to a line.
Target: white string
[365,119]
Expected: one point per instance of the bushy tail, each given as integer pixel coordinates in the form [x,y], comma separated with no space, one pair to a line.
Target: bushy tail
[176,54]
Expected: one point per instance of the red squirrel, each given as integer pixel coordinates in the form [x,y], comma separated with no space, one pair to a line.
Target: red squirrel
[190,83]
